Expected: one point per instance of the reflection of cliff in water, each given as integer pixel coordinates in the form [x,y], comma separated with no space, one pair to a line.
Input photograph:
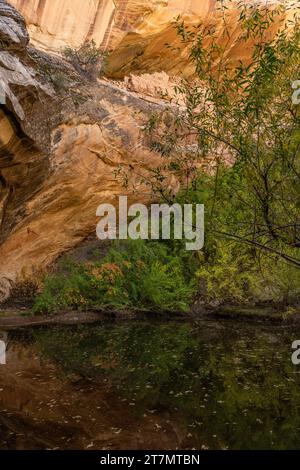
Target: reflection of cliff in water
[143,386]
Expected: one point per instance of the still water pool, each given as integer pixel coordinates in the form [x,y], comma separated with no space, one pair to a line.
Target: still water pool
[149,385]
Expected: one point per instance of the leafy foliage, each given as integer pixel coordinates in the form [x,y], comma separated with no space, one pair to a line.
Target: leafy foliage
[239,114]
[88,59]
[138,275]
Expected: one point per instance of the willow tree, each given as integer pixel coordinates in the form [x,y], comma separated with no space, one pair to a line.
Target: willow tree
[239,123]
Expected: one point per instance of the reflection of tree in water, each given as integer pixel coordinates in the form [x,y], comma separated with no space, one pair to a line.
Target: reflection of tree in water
[233,388]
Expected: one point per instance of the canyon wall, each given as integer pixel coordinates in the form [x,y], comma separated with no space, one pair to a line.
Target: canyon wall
[154,45]
[59,150]
[137,31]
[53,24]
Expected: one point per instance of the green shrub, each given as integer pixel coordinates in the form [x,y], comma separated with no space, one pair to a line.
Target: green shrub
[88,59]
[229,278]
[135,275]
[280,283]
[233,274]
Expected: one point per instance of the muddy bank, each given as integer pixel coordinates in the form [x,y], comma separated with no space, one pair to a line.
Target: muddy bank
[16,318]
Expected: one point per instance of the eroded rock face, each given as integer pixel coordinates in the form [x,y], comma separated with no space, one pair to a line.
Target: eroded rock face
[58,155]
[154,45]
[137,31]
[53,24]
[13,30]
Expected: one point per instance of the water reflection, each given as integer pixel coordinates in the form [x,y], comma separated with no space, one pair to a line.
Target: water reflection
[138,385]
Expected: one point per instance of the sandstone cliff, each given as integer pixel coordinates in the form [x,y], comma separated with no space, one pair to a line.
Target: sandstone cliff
[136,30]
[58,152]
[146,48]
[53,24]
